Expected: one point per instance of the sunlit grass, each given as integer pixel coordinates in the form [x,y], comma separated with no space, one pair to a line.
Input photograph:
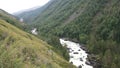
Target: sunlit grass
[19,49]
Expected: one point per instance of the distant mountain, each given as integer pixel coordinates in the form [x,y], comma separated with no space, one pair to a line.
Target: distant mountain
[26,10]
[30,14]
[95,23]
[19,49]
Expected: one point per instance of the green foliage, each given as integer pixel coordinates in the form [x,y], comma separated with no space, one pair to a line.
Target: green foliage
[11,19]
[19,49]
[107,59]
[83,38]
[95,23]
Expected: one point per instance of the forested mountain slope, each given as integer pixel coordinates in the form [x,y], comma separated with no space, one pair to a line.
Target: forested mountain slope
[95,23]
[28,16]
[19,49]
[31,14]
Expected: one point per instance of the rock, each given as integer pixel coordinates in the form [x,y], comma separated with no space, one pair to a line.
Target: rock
[79,50]
[81,59]
[68,48]
[88,63]
[71,62]
[75,53]
[71,57]
[80,66]
[87,52]
[94,61]
[84,48]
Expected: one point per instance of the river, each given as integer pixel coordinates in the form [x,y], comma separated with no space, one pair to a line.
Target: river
[34,31]
[78,56]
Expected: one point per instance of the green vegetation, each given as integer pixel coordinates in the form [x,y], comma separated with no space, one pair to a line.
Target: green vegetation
[30,15]
[19,49]
[11,19]
[95,23]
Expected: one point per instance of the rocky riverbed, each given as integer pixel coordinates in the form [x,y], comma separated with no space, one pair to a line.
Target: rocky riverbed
[78,56]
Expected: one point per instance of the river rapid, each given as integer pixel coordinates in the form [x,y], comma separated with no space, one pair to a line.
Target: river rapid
[78,56]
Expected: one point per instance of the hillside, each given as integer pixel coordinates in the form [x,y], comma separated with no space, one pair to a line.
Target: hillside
[19,49]
[11,19]
[30,14]
[94,23]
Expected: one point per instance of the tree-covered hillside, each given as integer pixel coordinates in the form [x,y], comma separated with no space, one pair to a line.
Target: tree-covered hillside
[19,49]
[95,23]
[31,14]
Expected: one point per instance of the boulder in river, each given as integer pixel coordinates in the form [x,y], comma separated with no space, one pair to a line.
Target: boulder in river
[81,59]
[80,66]
[75,53]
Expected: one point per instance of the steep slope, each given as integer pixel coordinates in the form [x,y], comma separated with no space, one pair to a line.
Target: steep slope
[92,22]
[11,19]
[19,49]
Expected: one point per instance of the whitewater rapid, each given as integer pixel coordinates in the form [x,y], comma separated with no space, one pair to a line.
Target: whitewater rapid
[78,56]
[34,31]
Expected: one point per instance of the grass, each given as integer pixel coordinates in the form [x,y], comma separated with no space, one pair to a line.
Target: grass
[19,49]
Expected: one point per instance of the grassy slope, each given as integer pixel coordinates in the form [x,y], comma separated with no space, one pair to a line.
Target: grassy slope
[11,19]
[19,49]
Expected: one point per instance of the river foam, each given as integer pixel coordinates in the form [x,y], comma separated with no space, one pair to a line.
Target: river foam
[78,56]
